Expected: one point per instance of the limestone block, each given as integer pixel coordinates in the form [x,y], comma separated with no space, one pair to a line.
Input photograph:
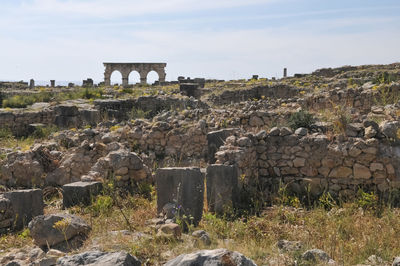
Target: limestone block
[26,204]
[361,171]
[80,193]
[299,162]
[222,187]
[376,167]
[340,172]
[183,186]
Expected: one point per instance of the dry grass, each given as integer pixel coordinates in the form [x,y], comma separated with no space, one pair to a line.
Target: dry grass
[349,234]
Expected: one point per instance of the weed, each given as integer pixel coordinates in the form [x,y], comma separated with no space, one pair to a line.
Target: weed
[301,119]
[102,205]
[62,226]
[367,201]
[386,95]
[137,113]
[115,128]
[44,132]
[326,201]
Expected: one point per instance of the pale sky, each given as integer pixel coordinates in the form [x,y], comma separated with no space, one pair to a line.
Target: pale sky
[225,39]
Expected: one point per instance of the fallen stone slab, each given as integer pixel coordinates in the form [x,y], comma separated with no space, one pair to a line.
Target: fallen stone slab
[92,258]
[183,186]
[26,204]
[80,193]
[53,229]
[211,257]
[222,187]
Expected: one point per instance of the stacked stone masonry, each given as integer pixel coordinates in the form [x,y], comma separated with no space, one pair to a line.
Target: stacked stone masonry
[299,160]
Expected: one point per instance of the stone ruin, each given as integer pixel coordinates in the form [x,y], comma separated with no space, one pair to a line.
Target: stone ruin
[228,135]
[87,83]
[126,68]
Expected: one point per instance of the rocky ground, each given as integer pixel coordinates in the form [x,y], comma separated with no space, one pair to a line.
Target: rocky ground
[314,175]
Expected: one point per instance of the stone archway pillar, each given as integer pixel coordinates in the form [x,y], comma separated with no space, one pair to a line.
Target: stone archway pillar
[125,81]
[107,76]
[161,75]
[143,76]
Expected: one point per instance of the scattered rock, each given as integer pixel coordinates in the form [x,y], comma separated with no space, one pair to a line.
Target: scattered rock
[396,261]
[54,229]
[211,257]
[301,131]
[316,255]
[202,236]
[99,258]
[170,229]
[289,246]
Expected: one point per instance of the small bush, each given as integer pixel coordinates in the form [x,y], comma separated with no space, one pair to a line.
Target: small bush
[326,201]
[137,113]
[301,119]
[44,132]
[102,205]
[367,201]
[5,133]
[385,78]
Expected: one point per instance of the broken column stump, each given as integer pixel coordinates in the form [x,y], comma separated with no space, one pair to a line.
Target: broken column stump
[80,193]
[182,186]
[222,188]
[26,204]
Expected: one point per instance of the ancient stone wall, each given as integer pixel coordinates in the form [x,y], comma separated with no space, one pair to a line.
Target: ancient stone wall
[63,116]
[273,91]
[151,105]
[314,160]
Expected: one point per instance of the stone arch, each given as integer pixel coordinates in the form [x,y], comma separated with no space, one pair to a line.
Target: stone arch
[116,71]
[127,68]
[133,72]
[150,73]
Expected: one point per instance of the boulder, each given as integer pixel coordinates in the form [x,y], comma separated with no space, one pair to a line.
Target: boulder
[183,186]
[285,131]
[53,229]
[26,204]
[396,261]
[92,258]
[316,255]
[301,131]
[80,193]
[202,236]
[170,229]
[211,257]
[289,246]
[222,187]
[389,129]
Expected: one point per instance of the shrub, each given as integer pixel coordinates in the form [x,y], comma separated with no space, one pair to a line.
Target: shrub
[44,132]
[301,119]
[367,201]
[137,113]
[102,205]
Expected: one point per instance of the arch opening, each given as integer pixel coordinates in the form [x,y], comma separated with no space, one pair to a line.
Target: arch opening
[152,76]
[116,77]
[134,77]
